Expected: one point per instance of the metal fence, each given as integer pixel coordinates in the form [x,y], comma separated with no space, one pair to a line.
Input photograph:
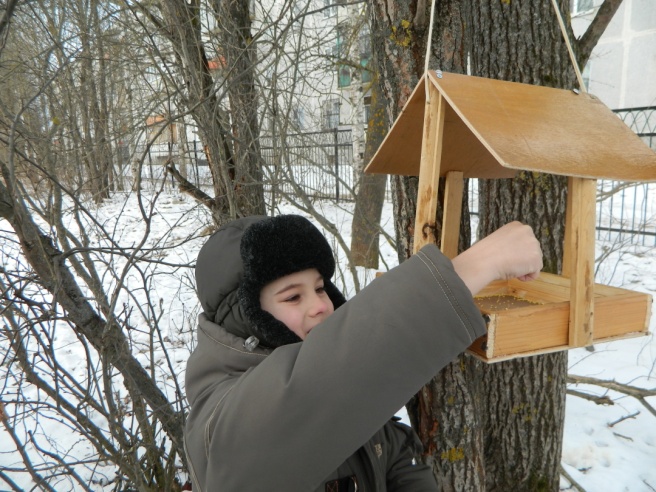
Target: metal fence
[642,121]
[321,163]
[627,211]
[156,156]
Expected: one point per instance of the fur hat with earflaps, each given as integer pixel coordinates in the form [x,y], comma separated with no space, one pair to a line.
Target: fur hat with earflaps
[270,249]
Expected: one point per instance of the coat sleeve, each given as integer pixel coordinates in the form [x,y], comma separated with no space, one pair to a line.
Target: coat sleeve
[293,419]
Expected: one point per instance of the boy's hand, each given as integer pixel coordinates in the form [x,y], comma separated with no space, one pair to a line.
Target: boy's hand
[509,252]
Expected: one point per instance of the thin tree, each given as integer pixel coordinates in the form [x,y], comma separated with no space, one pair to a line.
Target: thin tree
[77,84]
[228,127]
[371,189]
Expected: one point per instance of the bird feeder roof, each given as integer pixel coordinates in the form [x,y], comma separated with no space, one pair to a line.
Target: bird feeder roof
[493,128]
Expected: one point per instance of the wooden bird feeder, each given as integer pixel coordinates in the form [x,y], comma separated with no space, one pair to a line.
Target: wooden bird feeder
[472,127]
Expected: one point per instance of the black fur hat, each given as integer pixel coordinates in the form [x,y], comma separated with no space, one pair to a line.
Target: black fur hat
[270,249]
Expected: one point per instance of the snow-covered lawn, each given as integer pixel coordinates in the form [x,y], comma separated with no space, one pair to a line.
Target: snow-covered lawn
[606,448]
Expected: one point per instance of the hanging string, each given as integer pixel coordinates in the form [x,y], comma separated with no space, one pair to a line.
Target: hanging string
[569,46]
[428,47]
[563,30]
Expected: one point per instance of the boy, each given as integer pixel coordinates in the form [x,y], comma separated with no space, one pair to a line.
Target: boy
[271,414]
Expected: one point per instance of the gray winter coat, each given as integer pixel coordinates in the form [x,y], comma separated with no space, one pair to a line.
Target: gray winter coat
[308,413]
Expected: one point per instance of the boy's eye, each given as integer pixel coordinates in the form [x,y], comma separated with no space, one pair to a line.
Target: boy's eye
[293,298]
[320,290]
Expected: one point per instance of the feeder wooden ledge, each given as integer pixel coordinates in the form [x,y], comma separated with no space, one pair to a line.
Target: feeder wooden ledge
[472,127]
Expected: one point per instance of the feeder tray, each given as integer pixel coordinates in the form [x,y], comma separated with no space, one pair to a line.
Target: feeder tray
[471,127]
[533,317]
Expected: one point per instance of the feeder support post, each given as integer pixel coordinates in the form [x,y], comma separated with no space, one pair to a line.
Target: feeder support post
[452,212]
[429,169]
[578,263]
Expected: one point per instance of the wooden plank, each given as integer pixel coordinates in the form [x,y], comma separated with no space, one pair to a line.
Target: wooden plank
[400,151]
[547,288]
[500,358]
[624,336]
[529,329]
[479,348]
[609,290]
[494,128]
[566,269]
[621,315]
[549,130]
[480,354]
[550,288]
[522,330]
[429,175]
[544,292]
[452,212]
[581,268]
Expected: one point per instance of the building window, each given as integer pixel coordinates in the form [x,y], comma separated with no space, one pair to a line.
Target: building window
[364,43]
[329,9]
[342,41]
[344,76]
[367,109]
[330,114]
[579,6]
[366,74]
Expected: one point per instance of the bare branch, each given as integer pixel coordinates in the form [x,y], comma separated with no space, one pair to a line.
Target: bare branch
[622,419]
[590,38]
[8,12]
[189,188]
[599,400]
[574,484]
[639,394]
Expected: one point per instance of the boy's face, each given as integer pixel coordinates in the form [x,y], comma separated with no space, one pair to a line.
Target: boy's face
[298,300]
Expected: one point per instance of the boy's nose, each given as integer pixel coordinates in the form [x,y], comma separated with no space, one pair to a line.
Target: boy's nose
[319,305]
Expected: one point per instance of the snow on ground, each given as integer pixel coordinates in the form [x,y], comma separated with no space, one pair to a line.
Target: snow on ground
[613,448]
[606,448]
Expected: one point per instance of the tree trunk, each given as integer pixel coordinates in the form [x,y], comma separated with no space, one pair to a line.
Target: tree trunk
[398,71]
[238,46]
[446,413]
[233,156]
[524,439]
[365,229]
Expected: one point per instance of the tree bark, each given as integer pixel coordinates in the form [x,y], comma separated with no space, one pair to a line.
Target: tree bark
[446,412]
[238,47]
[7,14]
[595,30]
[524,439]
